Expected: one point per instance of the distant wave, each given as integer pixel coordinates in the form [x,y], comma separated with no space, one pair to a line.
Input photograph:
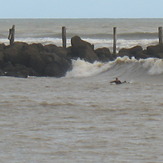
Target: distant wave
[3,35]
[98,43]
[138,35]
[129,36]
[124,40]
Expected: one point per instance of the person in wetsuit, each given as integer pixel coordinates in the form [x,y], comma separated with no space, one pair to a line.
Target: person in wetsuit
[116,81]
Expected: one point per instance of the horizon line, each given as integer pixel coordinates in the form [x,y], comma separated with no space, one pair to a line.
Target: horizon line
[83,18]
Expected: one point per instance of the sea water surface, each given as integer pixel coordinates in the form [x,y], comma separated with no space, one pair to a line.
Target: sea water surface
[82,118]
[130,32]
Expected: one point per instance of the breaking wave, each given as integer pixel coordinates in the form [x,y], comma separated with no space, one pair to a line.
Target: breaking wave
[126,68]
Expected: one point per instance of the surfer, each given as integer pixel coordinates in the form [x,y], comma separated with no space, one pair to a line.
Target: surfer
[117,81]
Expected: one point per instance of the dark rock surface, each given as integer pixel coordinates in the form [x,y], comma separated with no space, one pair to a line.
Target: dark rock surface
[82,49]
[22,60]
[155,51]
[104,54]
[136,51]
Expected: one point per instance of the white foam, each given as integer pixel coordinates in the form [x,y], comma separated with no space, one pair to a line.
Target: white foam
[154,66]
[82,68]
[120,67]
[98,43]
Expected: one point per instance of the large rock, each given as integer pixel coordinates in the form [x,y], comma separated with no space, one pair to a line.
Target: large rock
[1,59]
[18,70]
[155,51]
[51,48]
[104,54]
[2,47]
[14,53]
[34,59]
[160,55]
[56,65]
[82,49]
[136,51]
[56,69]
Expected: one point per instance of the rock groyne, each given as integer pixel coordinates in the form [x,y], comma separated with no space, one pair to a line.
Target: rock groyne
[23,60]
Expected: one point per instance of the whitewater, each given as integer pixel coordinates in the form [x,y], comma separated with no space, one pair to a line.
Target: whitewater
[82,117]
[144,70]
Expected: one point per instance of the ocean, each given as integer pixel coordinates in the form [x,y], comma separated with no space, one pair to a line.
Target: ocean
[82,118]
[130,32]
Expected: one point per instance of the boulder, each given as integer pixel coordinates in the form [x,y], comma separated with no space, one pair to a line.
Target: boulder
[155,51]
[1,72]
[51,48]
[2,47]
[26,55]
[82,49]
[160,55]
[56,65]
[136,51]
[33,57]
[104,54]
[1,59]
[14,53]
[18,71]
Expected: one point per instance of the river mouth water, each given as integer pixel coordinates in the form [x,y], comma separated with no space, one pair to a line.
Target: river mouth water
[82,119]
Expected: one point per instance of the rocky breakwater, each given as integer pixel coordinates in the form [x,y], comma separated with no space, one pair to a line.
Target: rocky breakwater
[155,51]
[22,59]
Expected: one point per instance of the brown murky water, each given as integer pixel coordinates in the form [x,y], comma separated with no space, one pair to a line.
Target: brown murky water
[83,120]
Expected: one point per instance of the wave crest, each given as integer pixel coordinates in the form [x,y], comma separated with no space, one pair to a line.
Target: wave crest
[154,66]
[122,67]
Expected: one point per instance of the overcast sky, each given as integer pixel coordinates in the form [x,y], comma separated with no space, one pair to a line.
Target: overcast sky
[81,9]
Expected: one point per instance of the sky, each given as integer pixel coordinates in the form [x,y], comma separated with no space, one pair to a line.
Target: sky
[81,9]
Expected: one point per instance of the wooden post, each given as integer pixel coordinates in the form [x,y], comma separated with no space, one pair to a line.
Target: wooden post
[64,37]
[160,35]
[11,35]
[114,40]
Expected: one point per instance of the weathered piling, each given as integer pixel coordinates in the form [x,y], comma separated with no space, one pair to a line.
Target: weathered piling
[11,35]
[114,39]
[64,37]
[160,35]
